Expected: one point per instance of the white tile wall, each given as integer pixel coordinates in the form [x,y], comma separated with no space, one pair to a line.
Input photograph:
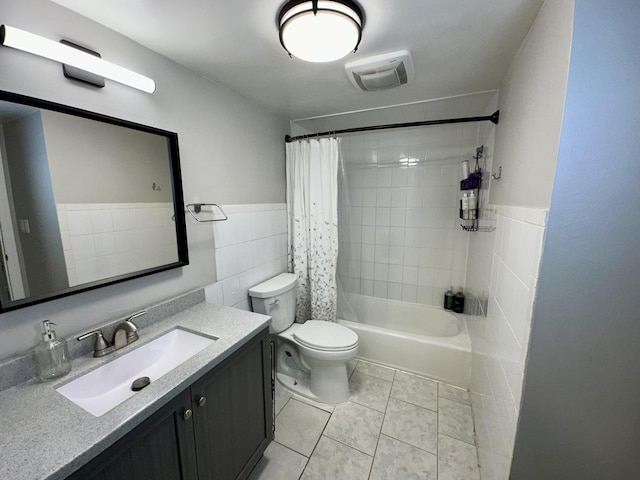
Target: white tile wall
[250,247]
[104,240]
[403,193]
[501,284]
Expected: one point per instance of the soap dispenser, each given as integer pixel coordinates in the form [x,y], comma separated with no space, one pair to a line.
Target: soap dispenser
[52,355]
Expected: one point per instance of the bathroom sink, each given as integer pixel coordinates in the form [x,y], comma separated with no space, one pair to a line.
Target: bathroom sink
[100,390]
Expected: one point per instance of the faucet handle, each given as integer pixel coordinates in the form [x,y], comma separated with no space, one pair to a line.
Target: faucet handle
[100,347]
[136,315]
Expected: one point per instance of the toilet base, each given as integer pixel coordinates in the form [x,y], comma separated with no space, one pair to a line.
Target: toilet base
[300,384]
[320,379]
[330,383]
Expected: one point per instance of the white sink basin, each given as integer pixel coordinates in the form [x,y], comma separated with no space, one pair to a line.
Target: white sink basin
[100,390]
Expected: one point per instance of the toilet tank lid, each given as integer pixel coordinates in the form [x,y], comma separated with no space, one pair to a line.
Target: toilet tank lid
[274,286]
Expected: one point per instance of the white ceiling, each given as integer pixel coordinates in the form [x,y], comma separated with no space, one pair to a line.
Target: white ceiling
[458,47]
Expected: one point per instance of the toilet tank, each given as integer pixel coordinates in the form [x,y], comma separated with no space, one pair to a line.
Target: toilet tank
[276,297]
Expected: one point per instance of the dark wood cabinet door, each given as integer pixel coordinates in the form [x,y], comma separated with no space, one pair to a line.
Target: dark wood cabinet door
[161,448]
[234,421]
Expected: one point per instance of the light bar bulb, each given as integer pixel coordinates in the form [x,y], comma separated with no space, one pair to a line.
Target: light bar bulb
[31,43]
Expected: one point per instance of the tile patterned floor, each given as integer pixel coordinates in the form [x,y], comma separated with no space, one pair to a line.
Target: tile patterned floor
[395,426]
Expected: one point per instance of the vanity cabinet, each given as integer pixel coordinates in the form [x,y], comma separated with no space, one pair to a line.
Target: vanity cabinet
[215,429]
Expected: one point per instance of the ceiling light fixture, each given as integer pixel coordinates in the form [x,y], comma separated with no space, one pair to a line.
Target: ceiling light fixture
[31,43]
[320,30]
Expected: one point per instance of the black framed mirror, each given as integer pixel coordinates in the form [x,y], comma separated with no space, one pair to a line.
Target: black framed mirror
[86,200]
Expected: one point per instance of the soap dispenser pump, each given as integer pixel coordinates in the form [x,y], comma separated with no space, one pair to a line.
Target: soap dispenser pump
[52,355]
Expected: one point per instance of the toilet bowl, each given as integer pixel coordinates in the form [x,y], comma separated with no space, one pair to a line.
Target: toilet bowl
[312,356]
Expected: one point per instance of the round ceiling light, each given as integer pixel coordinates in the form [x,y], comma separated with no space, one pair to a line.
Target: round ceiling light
[320,31]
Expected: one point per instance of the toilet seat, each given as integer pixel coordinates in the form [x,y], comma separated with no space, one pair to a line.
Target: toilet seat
[326,336]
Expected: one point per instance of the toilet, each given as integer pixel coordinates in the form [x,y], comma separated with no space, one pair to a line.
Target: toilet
[312,356]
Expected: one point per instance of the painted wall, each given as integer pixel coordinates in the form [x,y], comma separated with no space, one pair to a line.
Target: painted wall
[580,416]
[42,260]
[95,162]
[231,152]
[8,226]
[502,267]
[531,102]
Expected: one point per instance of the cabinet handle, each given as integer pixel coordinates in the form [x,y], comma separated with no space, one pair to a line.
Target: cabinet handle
[187,414]
[202,401]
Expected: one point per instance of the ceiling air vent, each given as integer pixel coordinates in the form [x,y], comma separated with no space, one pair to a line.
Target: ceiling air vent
[381,72]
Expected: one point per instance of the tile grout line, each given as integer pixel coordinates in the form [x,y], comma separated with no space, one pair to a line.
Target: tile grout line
[474,445]
[297,453]
[321,433]
[414,404]
[373,458]
[438,432]
[349,446]
[306,464]
[319,437]
[384,416]
[372,376]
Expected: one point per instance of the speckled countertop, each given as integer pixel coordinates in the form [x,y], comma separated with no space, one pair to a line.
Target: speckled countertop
[43,435]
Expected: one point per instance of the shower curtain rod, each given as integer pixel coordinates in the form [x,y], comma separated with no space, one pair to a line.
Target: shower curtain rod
[491,118]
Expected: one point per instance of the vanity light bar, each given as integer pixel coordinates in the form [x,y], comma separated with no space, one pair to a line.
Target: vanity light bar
[31,43]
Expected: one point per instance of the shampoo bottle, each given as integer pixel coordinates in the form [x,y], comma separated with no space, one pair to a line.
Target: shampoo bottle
[465,169]
[458,301]
[448,299]
[465,206]
[473,205]
[52,355]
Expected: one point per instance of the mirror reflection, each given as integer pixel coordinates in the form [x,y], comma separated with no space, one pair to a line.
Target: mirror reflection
[81,201]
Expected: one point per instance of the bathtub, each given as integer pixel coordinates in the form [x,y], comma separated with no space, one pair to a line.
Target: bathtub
[416,338]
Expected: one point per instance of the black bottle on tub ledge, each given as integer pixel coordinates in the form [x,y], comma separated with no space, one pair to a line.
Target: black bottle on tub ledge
[448,299]
[458,302]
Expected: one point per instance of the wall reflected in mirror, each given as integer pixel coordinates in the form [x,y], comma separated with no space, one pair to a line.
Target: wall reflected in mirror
[82,202]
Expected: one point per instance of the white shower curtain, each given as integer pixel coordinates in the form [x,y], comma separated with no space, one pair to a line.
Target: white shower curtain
[312,208]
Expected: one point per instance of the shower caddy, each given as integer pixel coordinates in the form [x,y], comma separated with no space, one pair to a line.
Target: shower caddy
[473,183]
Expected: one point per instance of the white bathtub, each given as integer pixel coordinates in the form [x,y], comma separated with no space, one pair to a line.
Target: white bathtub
[416,338]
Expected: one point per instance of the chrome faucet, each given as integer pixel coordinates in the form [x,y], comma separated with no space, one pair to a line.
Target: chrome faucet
[126,332]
